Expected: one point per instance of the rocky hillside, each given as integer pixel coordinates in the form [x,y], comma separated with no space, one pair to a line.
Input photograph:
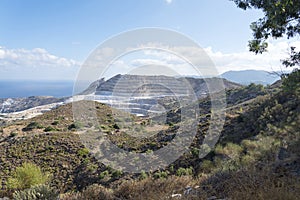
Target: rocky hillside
[257,156]
[155,85]
[9,105]
[139,94]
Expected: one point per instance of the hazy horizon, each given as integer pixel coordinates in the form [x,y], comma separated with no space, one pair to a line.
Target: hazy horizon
[64,88]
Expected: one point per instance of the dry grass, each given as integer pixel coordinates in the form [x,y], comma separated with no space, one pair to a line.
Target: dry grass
[149,189]
[90,193]
[244,184]
[251,184]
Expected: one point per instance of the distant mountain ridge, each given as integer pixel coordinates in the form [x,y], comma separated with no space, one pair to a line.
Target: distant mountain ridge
[245,77]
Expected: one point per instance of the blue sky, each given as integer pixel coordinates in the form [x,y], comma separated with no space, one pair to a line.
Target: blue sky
[54,37]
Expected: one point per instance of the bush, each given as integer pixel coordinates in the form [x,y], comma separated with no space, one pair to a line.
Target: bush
[116,126]
[75,125]
[56,122]
[116,173]
[104,174]
[231,150]
[195,152]
[251,183]
[291,83]
[207,166]
[84,152]
[38,192]
[49,129]
[31,126]
[160,174]
[13,134]
[149,189]
[184,171]
[27,176]
[90,193]
[143,175]
[261,148]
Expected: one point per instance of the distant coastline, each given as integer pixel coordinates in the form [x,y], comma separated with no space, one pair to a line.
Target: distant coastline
[64,88]
[26,88]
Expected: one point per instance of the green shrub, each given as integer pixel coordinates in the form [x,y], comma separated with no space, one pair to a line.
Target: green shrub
[38,192]
[27,176]
[160,174]
[116,126]
[32,125]
[261,147]
[75,125]
[84,152]
[171,124]
[231,150]
[56,122]
[149,151]
[13,134]
[184,171]
[195,152]
[207,166]
[171,168]
[116,173]
[291,83]
[104,174]
[104,127]
[49,129]
[143,175]
[247,160]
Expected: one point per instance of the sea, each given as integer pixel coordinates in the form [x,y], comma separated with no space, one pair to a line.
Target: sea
[26,88]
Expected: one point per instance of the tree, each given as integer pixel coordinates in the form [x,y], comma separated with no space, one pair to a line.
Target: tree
[281,18]
[291,83]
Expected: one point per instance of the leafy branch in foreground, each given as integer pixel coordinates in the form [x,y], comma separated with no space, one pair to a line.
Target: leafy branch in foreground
[281,18]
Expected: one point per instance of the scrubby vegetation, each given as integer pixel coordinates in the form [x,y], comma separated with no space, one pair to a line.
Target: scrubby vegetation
[257,156]
[38,192]
[27,176]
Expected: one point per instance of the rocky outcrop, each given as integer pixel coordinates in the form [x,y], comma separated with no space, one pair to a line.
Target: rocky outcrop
[9,105]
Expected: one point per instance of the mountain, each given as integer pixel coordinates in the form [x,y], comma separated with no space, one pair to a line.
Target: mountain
[155,85]
[246,77]
[137,94]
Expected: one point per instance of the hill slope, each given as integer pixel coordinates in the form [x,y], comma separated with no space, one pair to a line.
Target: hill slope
[259,146]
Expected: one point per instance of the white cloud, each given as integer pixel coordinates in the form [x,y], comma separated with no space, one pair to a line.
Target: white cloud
[35,64]
[269,61]
[169,1]
[40,64]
